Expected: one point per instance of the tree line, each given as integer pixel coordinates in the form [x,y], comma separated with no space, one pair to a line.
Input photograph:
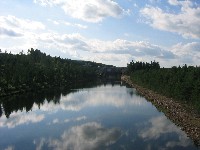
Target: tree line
[134,66]
[180,83]
[35,70]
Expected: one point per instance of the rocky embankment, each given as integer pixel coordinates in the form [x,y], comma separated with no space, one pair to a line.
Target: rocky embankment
[183,116]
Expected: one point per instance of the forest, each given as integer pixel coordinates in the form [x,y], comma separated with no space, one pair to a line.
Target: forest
[37,70]
[179,83]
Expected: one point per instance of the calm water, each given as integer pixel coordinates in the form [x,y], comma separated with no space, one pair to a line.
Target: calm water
[107,116]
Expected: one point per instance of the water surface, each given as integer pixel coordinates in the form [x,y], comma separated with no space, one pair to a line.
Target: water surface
[106,116]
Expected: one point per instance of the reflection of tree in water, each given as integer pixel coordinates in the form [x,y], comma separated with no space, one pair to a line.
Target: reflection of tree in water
[1,112]
[131,91]
[26,101]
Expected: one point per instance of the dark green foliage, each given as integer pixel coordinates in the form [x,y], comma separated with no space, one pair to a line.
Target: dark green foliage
[38,70]
[180,83]
[134,66]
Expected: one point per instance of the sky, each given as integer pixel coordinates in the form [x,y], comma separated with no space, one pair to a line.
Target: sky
[112,32]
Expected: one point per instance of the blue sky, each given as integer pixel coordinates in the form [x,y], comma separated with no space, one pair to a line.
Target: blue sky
[106,31]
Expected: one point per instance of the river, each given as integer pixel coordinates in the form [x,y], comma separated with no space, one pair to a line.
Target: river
[103,116]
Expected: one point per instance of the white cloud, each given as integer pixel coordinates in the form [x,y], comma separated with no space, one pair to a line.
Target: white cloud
[13,26]
[109,58]
[81,118]
[83,99]
[154,1]
[161,126]
[9,32]
[110,48]
[10,148]
[173,2]
[67,120]
[18,34]
[118,52]
[122,51]
[183,3]
[80,26]
[67,43]
[180,48]
[39,144]
[57,121]
[87,136]
[87,10]
[188,53]
[77,25]
[76,46]
[185,23]
[17,119]
[53,21]
[44,2]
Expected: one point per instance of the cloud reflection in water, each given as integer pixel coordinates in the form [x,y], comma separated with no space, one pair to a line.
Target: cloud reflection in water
[91,135]
[94,98]
[19,118]
[160,126]
[57,121]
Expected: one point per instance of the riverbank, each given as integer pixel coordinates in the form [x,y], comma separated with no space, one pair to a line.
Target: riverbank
[182,115]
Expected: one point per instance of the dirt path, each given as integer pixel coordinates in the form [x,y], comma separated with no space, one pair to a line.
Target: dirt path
[180,114]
